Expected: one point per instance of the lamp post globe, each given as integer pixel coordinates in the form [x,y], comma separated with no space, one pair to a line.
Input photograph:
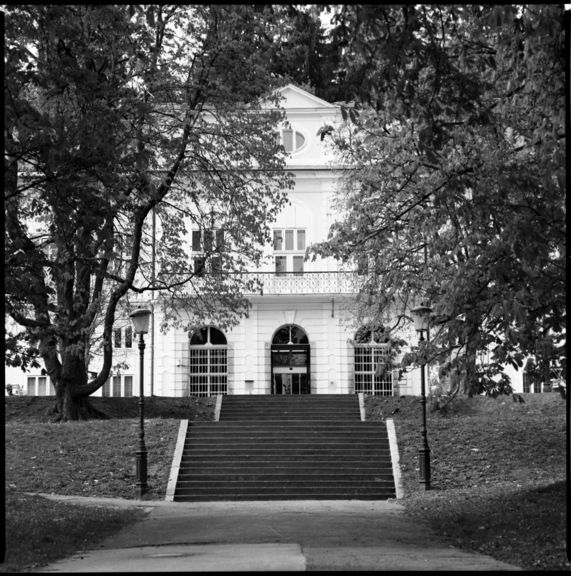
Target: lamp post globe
[140,319]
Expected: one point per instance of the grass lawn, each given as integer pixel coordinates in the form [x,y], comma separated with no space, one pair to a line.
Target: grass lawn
[498,473]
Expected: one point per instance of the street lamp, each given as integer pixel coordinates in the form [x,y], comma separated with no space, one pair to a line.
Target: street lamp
[421,317]
[140,319]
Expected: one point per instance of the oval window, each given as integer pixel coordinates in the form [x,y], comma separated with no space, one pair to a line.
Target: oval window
[292,140]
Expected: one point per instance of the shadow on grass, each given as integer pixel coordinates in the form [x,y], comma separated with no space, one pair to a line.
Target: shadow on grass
[521,524]
[40,531]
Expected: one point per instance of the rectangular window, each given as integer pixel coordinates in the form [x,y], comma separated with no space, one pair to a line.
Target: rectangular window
[116,385]
[196,243]
[106,390]
[208,372]
[205,243]
[208,241]
[216,265]
[199,265]
[220,240]
[128,386]
[298,264]
[117,333]
[129,337]
[526,383]
[373,370]
[278,240]
[39,386]
[290,240]
[281,265]
[293,241]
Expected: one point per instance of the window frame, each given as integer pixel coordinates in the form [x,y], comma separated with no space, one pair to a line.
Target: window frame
[118,383]
[282,238]
[295,134]
[365,369]
[36,383]
[207,246]
[208,365]
[123,337]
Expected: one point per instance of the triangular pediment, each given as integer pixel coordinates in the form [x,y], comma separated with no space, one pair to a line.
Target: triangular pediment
[294,97]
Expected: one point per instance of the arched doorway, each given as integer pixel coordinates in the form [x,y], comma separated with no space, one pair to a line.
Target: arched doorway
[290,361]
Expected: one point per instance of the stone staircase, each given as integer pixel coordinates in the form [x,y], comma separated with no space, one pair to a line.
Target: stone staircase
[286,448]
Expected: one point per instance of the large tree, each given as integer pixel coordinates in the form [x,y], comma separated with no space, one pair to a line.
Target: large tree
[457,196]
[113,114]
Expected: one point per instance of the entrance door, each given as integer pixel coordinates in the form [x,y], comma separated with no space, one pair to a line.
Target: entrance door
[290,361]
[294,381]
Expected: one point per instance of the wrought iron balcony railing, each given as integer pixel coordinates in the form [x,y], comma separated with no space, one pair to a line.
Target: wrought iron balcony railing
[308,282]
[287,283]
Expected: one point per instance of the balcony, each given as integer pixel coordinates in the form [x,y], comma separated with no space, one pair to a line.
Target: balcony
[307,282]
[286,283]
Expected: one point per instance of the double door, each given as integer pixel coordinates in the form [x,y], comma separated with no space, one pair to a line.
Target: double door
[290,369]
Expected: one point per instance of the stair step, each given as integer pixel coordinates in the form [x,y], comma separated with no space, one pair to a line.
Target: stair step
[321,460]
[284,478]
[289,432]
[281,487]
[277,497]
[261,453]
[263,416]
[309,425]
[300,492]
[273,468]
[289,436]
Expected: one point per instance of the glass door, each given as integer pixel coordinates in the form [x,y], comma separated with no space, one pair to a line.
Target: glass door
[294,381]
[290,361]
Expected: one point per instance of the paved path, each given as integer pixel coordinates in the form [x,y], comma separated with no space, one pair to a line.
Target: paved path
[271,536]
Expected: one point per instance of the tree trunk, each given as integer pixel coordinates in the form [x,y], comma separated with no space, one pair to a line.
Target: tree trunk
[70,405]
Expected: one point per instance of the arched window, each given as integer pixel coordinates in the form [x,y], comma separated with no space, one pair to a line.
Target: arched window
[290,334]
[373,362]
[208,371]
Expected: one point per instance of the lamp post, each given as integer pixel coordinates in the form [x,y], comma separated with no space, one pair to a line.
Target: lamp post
[140,319]
[421,317]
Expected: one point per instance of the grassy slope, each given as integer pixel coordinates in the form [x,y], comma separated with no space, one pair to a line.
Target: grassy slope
[95,458]
[498,471]
[498,474]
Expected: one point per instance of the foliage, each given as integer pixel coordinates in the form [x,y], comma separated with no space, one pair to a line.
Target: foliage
[116,115]
[456,136]
[312,56]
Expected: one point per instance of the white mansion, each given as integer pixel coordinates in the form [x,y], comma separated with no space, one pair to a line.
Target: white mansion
[298,337]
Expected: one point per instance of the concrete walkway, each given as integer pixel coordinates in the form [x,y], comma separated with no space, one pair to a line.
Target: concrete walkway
[270,536]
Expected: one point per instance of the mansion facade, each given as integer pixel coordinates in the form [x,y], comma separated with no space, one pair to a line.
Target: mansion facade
[298,337]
